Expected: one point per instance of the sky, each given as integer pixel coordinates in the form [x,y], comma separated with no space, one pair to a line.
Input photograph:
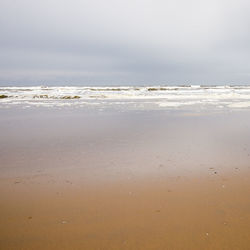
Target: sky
[124,42]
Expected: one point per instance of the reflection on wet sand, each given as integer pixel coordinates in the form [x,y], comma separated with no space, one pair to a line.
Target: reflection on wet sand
[135,180]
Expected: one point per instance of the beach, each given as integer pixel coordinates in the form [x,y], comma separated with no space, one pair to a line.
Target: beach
[124,125]
[77,178]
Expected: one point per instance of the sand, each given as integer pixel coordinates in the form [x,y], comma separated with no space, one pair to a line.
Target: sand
[147,180]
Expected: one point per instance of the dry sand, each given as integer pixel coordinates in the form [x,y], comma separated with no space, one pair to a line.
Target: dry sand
[151,181]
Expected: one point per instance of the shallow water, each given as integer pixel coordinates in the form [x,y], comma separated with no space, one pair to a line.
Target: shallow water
[120,144]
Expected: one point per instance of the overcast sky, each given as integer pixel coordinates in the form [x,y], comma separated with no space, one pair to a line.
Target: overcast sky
[123,42]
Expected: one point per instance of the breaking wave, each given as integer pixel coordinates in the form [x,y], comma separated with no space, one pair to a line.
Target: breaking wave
[162,97]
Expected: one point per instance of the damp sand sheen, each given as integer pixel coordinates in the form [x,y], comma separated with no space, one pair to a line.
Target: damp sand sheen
[134,168]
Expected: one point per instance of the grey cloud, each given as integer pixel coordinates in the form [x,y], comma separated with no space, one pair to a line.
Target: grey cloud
[124,42]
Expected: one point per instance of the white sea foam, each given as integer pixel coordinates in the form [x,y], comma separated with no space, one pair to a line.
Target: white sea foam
[168,97]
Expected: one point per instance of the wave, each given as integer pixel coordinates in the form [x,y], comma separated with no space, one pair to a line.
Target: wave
[159,96]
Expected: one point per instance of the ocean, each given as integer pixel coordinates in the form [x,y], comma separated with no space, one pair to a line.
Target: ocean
[129,97]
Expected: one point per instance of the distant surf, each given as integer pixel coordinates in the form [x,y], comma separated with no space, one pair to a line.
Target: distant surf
[156,97]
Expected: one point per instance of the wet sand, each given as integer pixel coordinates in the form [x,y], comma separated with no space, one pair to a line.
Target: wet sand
[133,180]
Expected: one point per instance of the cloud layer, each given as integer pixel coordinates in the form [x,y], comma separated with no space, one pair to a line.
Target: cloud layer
[93,42]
